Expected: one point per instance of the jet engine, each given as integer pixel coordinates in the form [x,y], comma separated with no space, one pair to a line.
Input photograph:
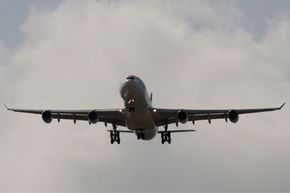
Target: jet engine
[47,116]
[182,116]
[233,116]
[93,117]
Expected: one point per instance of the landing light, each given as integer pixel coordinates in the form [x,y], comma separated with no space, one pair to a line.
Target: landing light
[154,110]
[131,101]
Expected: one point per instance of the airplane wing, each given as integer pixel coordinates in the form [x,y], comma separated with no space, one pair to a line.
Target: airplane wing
[168,116]
[113,116]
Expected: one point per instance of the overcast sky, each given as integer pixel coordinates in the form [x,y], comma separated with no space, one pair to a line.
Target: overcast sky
[191,54]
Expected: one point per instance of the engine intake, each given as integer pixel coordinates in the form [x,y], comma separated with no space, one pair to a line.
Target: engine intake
[47,116]
[93,117]
[182,116]
[233,116]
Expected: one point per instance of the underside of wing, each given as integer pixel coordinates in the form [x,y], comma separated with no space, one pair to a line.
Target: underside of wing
[112,116]
[164,117]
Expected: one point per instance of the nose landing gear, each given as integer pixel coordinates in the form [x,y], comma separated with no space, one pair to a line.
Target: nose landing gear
[140,135]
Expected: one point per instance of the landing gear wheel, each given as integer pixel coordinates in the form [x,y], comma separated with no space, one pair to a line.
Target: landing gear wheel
[111,134]
[142,135]
[169,138]
[117,134]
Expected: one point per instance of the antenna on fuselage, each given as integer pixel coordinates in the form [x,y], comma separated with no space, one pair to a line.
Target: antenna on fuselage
[151,95]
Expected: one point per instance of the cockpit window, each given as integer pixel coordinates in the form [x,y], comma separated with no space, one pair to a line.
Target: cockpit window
[130,78]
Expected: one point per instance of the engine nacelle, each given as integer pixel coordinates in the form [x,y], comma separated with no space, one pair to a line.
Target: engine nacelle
[47,116]
[182,116]
[233,116]
[93,117]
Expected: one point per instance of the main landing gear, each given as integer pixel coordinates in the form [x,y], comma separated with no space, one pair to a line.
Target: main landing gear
[115,135]
[165,135]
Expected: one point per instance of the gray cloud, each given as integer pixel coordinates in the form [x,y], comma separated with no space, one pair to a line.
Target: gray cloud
[194,54]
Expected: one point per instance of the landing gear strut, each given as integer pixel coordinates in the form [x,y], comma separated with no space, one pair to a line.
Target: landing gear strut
[115,135]
[166,135]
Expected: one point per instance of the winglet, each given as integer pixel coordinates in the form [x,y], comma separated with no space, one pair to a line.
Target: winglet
[282,106]
[6,107]
[9,109]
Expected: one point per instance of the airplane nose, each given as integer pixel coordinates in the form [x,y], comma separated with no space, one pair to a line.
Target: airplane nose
[124,88]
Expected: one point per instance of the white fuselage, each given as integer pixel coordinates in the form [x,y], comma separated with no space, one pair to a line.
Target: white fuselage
[138,108]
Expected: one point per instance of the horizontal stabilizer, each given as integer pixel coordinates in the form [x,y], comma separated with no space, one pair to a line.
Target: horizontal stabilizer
[177,131]
[122,131]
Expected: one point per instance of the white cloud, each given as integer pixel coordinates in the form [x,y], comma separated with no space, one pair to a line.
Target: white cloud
[4,55]
[190,53]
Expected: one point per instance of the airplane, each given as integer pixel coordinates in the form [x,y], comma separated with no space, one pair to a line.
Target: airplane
[139,116]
